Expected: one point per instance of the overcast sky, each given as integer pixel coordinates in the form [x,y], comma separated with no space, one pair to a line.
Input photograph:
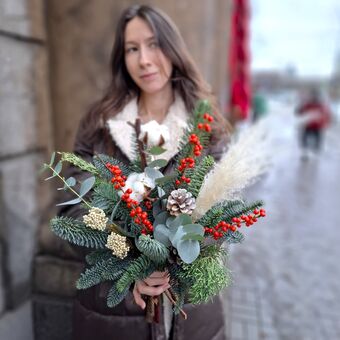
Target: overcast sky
[300,33]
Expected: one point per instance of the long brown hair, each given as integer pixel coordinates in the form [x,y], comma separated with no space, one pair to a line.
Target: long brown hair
[186,79]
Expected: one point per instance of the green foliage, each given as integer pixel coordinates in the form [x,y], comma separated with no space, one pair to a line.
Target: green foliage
[98,255]
[139,269]
[100,161]
[105,196]
[238,208]
[153,249]
[179,285]
[107,269]
[232,237]
[114,297]
[208,275]
[226,210]
[197,176]
[78,233]
[78,162]
[185,148]
[212,216]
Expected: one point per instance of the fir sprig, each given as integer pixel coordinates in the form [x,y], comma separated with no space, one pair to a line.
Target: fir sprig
[78,233]
[139,269]
[107,269]
[78,162]
[153,249]
[208,275]
[198,174]
[100,161]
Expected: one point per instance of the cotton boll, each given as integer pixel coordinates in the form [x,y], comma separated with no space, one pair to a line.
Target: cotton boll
[154,134]
[140,184]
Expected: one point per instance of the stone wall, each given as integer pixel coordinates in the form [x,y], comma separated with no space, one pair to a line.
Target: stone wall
[25,130]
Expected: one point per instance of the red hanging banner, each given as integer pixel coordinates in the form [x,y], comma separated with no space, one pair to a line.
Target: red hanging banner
[239,61]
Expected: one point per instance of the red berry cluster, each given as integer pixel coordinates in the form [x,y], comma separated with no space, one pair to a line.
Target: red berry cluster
[148,205]
[140,216]
[117,179]
[206,126]
[185,164]
[193,139]
[219,229]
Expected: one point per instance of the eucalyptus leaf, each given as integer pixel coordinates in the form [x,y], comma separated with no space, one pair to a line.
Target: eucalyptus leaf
[194,228]
[160,163]
[156,208]
[86,186]
[165,179]
[153,173]
[181,219]
[58,168]
[161,218]
[192,236]
[52,158]
[156,150]
[56,171]
[161,234]
[188,250]
[176,235]
[71,181]
[169,221]
[71,202]
[161,192]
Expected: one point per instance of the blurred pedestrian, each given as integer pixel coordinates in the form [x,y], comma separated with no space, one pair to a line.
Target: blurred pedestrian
[316,117]
[259,106]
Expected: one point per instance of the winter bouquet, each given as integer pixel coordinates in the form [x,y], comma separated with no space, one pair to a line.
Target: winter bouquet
[152,216]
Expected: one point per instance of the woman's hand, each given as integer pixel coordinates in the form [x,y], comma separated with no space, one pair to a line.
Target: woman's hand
[153,285]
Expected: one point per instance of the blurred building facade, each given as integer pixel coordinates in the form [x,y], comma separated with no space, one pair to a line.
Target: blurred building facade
[55,64]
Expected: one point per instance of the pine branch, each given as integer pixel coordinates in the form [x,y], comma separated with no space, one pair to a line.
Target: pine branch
[140,145]
[78,233]
[115,297]
[179,286]
[100,160]
[104,270]
[239,209]
[209,277]
[105,196]
[78,162]
[139,269]
[186,148]
[198,174]
[153,249]
[98,255]
[232,237]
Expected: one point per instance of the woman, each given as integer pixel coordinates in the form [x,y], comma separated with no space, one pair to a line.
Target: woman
[153,78]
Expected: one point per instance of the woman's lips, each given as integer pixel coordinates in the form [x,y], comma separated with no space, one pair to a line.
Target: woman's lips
[148,76]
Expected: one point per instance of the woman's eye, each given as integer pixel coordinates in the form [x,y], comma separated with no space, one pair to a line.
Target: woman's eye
[131,49]
[153,45]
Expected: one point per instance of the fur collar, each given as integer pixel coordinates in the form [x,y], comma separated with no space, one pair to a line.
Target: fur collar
[175,120]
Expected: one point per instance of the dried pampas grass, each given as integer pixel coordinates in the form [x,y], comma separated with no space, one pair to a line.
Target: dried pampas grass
[249,155]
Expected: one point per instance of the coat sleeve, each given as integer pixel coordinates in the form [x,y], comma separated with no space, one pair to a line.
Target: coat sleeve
[218,145]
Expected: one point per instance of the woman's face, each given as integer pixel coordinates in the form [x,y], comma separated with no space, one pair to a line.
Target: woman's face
[146,63]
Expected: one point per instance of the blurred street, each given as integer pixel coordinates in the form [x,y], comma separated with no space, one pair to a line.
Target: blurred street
[286,273]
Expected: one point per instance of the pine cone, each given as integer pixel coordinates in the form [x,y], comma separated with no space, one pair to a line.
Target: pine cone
[181,201]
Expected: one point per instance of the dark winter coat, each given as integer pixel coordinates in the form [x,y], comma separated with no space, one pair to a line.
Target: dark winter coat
[94,320]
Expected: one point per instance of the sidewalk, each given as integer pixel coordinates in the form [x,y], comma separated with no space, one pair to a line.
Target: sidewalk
[286,273]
